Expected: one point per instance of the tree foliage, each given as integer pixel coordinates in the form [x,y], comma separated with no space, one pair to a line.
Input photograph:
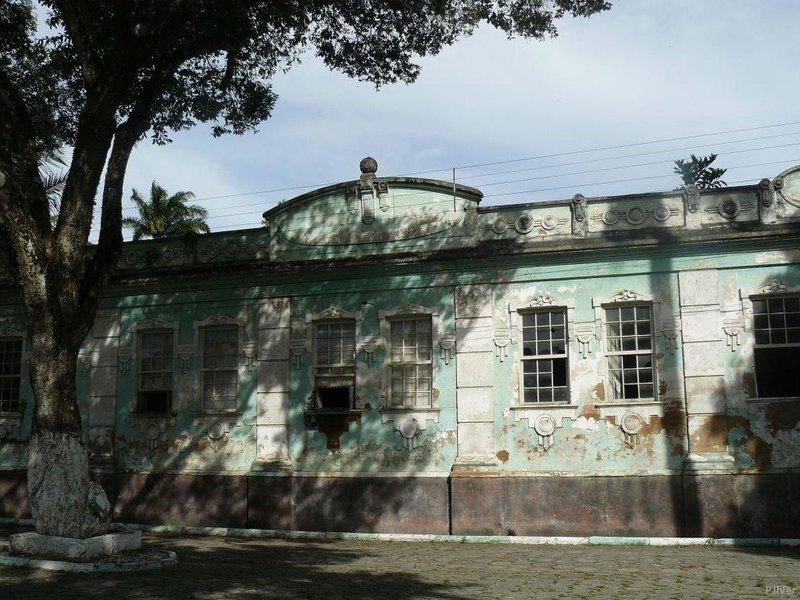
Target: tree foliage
[698,172]
[102,75]
[165,215]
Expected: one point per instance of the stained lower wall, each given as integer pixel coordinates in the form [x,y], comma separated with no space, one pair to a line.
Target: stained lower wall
[724,505]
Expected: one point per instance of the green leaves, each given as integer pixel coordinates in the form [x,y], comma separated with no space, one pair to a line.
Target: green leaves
[166,216]
[698,172]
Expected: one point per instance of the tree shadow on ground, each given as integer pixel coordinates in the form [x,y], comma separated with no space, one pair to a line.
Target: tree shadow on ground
[242,568]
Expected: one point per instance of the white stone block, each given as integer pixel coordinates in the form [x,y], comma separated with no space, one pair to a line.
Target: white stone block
[102,411]
[273,376]
[103,381]
[106,324]
[698,287]
[705,395]
[272,408]
[473,301]
[273,344]
[475,405]
[475,439]
[474,369]
[475,334]
[702,358]
[104,353]
[35,545]
[272,442]
[273,312]
[701,326]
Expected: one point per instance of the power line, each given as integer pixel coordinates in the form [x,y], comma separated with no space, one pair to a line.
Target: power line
[615,147]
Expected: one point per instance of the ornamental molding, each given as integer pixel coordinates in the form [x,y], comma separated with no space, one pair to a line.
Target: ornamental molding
[691,198]
[631,425]
[249,352]
[732,326]
[369,345]
[544,426]
[447,343]
[218,319]
[298,348]
[186,354]
[671,330]
[124,354]
[584,333]
[730,208]
[332,312]
[501,338]
[409,422]
[11,332]
[626,296]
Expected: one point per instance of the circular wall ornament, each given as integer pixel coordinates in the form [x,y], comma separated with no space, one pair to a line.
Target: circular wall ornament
[152,430]
[610,217]
[729,208]
[545,425]
[631,423]
[232,249]
[3,430]
[661,213]
[131,258]
[549,223]
[212,251]
[251,247]
[216,431]
[408,428]
[635,215]
[523,224]
[499,226]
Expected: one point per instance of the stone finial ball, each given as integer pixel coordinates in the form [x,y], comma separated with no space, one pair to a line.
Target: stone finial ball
[368,165]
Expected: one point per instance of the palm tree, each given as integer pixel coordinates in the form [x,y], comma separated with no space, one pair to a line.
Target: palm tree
[166,216]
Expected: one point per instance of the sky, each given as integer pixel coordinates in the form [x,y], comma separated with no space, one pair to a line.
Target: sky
[626,80]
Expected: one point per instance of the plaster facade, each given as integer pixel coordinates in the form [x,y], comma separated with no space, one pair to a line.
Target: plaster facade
[386,355]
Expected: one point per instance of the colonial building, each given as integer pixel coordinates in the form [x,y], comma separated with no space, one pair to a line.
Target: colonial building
[387,355]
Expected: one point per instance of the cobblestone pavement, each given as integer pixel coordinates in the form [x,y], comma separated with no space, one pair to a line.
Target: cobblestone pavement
[233,568]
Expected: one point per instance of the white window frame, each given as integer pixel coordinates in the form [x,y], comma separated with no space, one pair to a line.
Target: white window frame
[771,290]
[352,364]
[608,354]
[391,364]
[218,321]
[565,356]
[140,332]
[542,302]
[408,311]
[134,340]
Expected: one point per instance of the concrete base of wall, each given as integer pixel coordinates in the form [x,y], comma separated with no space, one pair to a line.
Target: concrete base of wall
[718,505]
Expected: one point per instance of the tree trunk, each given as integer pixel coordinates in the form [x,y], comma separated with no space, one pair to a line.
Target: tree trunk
[64,501]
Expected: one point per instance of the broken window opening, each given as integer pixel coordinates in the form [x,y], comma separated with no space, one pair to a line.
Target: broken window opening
[629,352]
[544,357]
[776,332]
[154,393]
[10,374]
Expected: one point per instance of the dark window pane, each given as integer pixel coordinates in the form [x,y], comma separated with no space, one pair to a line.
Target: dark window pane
[777,373]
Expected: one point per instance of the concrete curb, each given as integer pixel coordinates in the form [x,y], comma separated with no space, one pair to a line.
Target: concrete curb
[134,562]
[594,540]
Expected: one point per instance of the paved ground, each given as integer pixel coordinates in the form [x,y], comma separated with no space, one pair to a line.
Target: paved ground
[230,568]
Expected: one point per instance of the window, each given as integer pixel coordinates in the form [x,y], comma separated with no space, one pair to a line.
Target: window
[629,351]
[410,367]
[544,357]
[10,368]
[155,371]
[776,328]
[219,366]
[335,364]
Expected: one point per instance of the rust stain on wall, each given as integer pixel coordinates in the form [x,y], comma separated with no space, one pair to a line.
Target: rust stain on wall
[502,455]
[600,392]
[711,436]
[590,411]
[749,384]
[782,416]
[757,449]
